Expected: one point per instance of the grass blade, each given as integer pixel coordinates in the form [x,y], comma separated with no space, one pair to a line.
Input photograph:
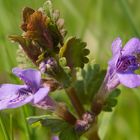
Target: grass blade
[6,135]
[11,127]
[26,127]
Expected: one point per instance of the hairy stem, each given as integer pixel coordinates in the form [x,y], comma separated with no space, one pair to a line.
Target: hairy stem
[75,101]
[96,109]
[92,133]
[63,112]
[99,99]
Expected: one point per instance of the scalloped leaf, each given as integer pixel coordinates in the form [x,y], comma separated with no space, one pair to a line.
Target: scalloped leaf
[88,86]
[56,125]
[55,18]
[111,101]
[48,8]
[75,52]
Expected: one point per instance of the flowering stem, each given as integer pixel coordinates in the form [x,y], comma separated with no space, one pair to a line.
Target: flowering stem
[4,129]
[99,99]
[96,108]
[75,101]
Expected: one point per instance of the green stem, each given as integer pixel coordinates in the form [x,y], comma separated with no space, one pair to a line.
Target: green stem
[62,111]
[26,127]
[92,133]
[11,127]
[6,135]
[75,101]
[129,15]
[96,109]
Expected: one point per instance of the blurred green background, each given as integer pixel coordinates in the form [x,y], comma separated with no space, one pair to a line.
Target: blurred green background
[98,22]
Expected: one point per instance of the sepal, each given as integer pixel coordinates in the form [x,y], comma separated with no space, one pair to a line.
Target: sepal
[111,100]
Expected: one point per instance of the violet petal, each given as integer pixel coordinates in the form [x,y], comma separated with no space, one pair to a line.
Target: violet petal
[10,96]
[130,80]
[116,46]
[116,51]
[31,77]
[113,82]
[55,138]
[9,91]
[131,47]
[20,101]
[46,103]
[40,94]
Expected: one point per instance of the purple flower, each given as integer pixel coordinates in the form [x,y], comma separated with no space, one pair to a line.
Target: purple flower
[13,96]
[55,138]
[124,63]
[48,65]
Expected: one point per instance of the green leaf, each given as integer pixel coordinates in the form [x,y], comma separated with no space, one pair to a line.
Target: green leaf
[56,35]
[48,8]
[90,83]
[54,124]
[57,23]
[111,101]
[75,52]
[115,93]
[3,127]
[34,119]
[69,134]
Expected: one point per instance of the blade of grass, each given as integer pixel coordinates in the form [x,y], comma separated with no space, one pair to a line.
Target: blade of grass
[26,127]
[11,127]
[6,135]
[30,111]
[126,10]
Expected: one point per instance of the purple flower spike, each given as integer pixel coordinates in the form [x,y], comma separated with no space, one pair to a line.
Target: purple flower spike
[13,96]
[123,64]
